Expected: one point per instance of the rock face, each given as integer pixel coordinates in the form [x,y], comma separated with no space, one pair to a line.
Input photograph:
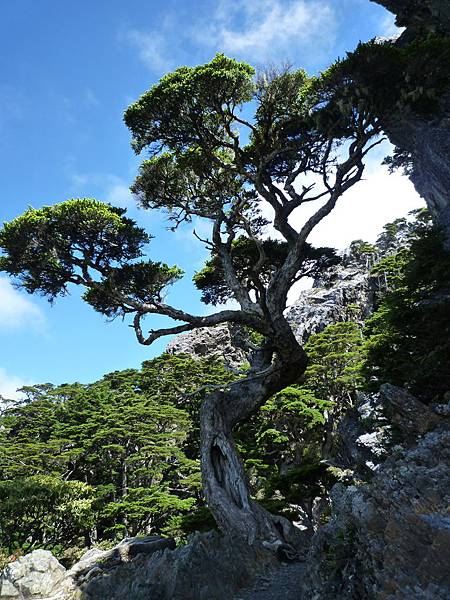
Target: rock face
[389,539]
[37,575]
[425,15]
[426,140]
[220,343]
[345,292]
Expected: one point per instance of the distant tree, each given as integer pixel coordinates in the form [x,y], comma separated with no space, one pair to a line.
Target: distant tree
[43,511]
[207,160]
[132,438]
[408,335]
[336,355]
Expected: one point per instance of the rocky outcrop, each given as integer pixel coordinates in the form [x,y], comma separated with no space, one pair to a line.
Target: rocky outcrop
[421,15]
[219,343]
[82,580]
[426,140]
[34,576]
[389,539]
[344,294]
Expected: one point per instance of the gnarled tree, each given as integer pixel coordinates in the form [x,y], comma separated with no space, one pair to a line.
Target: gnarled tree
[209,160]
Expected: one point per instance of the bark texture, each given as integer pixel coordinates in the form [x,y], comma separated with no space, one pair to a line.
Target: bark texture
[225,482]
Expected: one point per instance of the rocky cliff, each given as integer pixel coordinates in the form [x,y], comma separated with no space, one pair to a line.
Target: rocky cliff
[388,538]
[345,292]
[425,139]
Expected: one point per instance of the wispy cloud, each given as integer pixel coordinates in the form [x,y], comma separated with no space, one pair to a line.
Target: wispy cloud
[265,30]
[9,384]
[388,28]
[117,193]
[256,30]
[113,189]
[153,48]
[16,310]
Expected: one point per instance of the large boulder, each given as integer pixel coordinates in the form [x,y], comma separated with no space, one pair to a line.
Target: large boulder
[36,575]
[209,567]
[220,342]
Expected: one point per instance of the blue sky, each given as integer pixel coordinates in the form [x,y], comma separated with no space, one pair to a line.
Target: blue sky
[69,70]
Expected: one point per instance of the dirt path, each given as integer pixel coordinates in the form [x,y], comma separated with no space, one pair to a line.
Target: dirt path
[283,584]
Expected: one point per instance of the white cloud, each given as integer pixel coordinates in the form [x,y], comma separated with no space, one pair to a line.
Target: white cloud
[258,30]
[265,30]
[9,384]
[363,210]
[16,310]
[389,28]
[152,48]
[117,192]
[113,188]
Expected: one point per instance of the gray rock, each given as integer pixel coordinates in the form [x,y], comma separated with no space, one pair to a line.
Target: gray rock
[425,139]
[217,342]
[209,567]
[389,539]
[36,575]
[345,294]
[405,412]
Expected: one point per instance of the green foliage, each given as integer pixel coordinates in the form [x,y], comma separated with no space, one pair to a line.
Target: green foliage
[41,244]
[245,255]
[191,123]
[181,525]
[408,335]
[43,511]
[120,456]
[127,445]
[187,101]
[383,77]
[285,441]
[83,241]
[362,250]
[387,79]
[336,356]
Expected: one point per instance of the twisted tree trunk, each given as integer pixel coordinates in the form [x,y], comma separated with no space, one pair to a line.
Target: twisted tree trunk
[225,482]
